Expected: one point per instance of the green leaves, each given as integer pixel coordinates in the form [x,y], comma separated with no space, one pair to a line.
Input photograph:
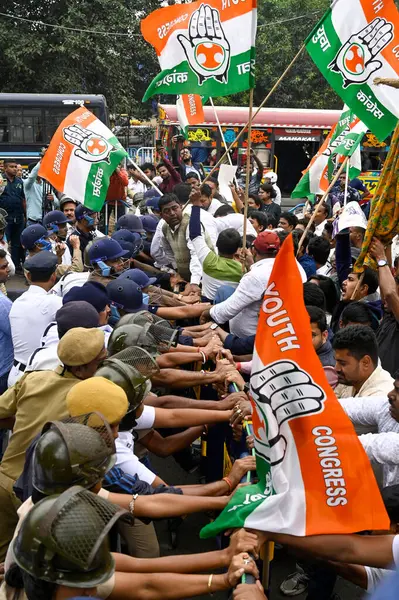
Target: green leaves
[41,59]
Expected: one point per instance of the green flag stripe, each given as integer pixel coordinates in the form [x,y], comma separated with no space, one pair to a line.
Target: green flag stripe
[238,80]
[302,188]
[99,175]
[380,127]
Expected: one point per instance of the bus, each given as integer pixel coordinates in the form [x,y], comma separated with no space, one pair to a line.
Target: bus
[28,121]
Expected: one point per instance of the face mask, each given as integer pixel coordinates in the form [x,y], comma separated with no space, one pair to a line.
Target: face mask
[146,298]
[115,315]
[44,244]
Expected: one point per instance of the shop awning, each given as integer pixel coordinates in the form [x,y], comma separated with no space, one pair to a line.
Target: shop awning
[268,117]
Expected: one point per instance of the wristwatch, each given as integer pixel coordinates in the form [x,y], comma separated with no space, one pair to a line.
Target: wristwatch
[382,263]
[214,326]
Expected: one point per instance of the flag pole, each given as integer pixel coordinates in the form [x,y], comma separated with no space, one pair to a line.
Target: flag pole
[145,177]
[248,168]
[346,182]
[258,109]
[333,182]
[222,136]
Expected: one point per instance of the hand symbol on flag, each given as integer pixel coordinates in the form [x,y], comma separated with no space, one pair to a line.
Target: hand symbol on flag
[90,146]
[282,392]
[356,58]
[207,49]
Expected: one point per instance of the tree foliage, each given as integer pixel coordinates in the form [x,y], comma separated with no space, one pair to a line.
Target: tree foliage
[41,59]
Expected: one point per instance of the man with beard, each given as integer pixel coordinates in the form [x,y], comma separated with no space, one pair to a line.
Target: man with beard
[170,177]
[186,164]
[56,224]
[356,356]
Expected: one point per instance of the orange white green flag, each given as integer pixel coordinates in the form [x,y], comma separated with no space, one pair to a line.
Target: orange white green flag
[313,471]
[189,111]
[205,48]
[81,158]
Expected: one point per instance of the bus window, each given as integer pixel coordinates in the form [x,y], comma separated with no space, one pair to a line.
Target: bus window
[21,126]
[53,117]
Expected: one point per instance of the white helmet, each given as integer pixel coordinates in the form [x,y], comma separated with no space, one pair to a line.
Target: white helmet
[272,176]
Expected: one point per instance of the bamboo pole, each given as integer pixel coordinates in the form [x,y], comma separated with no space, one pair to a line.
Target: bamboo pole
[333,182]
[222,136]
[258,109]
[145,176]
[248,169]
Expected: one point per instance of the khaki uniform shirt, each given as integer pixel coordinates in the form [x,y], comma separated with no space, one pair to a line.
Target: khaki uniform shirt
[34,400]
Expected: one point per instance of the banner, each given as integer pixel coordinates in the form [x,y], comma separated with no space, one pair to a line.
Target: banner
[356,42]
[313,472]
[189,111]
[203,48]
[81,158]
[343,140]
[383,221]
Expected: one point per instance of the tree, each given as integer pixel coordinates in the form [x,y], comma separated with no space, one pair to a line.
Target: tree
[41,59]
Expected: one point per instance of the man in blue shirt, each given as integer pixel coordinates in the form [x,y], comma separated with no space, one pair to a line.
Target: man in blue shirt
[13,201]
[7,350]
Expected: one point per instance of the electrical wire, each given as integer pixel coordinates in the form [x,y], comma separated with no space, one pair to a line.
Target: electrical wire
[115,33]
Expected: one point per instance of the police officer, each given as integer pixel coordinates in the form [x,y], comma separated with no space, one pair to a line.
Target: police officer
[131,223]
[107,259]
[35,238]
[34,310]
[85,227]
[56,224]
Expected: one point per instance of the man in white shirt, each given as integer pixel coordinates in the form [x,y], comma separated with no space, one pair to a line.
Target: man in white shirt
[356,355]
[242,308]
[33,311]
[227,218]
[137,183]
[208,202]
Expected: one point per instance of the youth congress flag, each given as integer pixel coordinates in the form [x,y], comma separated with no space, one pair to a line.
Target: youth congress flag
[81,158]
[356,42]
[313,472]
[189,111]
[205,48]
[343,140]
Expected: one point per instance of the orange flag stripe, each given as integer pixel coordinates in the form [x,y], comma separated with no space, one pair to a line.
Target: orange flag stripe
[385,9]
[160,24]
[55,162]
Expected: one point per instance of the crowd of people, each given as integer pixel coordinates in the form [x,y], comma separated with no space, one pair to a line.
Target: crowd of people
[99,371]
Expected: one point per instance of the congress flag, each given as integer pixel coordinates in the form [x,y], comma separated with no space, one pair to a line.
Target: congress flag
[189,111]
[205,48]
[313,472]
[81,158]
[343,140]
[356,42]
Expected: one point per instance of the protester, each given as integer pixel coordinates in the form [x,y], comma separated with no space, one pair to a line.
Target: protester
[356,355]
[208,202]
[171,246]
[271,177]
[288,221]
[34,194]
[241,309]
[321,343]
[170,177]
[224,268]
[268,194]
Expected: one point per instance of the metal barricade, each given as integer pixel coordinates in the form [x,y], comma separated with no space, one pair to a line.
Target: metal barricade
[145,154]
